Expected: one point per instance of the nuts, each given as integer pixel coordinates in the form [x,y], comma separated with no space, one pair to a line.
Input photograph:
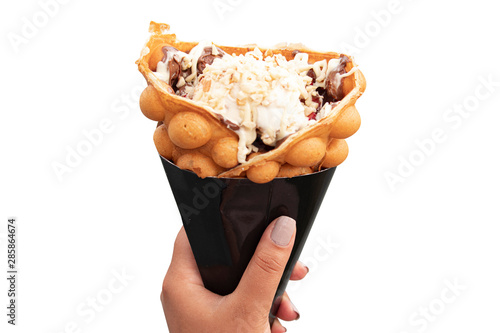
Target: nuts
[196,140]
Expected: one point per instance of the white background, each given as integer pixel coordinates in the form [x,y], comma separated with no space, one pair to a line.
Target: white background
[378,254]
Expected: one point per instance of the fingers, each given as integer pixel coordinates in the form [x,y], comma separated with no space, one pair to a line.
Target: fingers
[277,327]
[299,271]
[183,291]
[287,311]
[263,274]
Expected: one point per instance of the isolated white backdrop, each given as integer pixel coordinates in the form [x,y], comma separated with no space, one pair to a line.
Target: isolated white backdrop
[384,258]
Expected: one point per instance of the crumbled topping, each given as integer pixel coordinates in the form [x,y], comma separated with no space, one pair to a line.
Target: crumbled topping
[266,97]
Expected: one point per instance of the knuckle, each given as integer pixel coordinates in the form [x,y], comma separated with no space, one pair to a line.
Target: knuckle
[268,263]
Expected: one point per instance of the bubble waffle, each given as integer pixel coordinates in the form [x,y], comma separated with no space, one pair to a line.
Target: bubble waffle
[195,137]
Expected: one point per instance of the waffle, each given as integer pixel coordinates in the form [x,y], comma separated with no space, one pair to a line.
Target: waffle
[195,138]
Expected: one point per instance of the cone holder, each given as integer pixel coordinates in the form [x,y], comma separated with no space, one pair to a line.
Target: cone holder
[224,219]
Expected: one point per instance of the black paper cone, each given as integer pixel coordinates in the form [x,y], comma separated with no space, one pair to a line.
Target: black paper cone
[225,218]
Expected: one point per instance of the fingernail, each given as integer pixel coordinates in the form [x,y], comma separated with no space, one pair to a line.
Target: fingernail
[295,310]
[283,230]
[307,269]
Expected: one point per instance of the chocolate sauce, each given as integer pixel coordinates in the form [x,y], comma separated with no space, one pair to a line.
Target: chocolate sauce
[312,75]
[173,65]
[318,99]
[336,93]
[228,123]
[182,91]
[263,148]
[280,141]
[207,58]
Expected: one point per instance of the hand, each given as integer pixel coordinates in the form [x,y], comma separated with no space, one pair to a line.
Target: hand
[189,307]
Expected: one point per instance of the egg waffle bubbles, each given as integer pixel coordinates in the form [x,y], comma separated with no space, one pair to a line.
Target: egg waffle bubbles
[249,112]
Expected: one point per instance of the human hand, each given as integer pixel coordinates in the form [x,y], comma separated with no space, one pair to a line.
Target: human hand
[189,307]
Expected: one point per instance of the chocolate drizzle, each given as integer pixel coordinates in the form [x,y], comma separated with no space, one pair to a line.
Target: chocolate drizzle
[334,84]
[207,58]
[227,122]
[263,148]
[312,75]
[332,93]
[173,63]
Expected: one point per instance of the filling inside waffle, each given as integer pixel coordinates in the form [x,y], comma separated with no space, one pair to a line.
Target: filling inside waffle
[262,99]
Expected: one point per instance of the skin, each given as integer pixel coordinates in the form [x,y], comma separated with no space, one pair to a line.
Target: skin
[189,307]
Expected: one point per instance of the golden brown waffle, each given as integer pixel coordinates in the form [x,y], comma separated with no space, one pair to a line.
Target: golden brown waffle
[194,138]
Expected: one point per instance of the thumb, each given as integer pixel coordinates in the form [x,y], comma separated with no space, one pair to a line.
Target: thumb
[263,274]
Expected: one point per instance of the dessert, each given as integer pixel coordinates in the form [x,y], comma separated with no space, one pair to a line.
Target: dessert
[248,112]
[256,119]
